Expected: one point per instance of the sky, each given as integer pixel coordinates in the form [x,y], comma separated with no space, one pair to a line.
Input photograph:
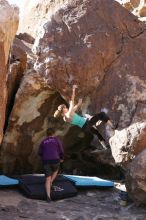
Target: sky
[16,2]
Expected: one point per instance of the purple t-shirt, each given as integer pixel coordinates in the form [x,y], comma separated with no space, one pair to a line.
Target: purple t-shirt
[51,149]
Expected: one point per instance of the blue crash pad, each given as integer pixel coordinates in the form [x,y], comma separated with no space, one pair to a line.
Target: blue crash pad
[7,181]
[85,181]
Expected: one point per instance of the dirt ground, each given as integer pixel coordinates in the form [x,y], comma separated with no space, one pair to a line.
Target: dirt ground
[97,204]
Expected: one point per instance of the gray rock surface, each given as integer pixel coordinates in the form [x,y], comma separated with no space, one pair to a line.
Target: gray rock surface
[87,205]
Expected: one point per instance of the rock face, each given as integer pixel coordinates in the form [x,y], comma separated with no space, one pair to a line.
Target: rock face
[107,52]
[137,7]
[27,124]
[128,143]
[17,66]
[19,53]
[136,178]
[8,27]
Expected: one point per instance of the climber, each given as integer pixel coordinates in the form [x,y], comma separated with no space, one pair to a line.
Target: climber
[89,124]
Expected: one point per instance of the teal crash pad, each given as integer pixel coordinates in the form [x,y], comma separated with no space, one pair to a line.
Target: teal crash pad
[93,182]
[7,181]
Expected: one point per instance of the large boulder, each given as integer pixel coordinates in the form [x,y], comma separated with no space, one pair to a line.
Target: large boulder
[24,86]
[136,179]
[8,27]
[27,124]
[128,143]
[104,56]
